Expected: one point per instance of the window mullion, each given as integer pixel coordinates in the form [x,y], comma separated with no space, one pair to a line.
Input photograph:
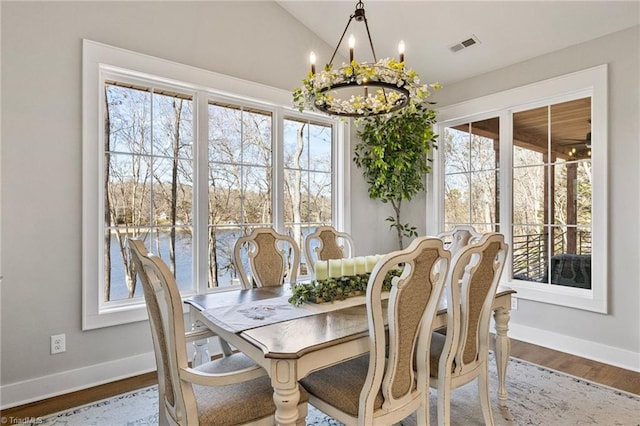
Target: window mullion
[506,183]
[201,192]
[277,170]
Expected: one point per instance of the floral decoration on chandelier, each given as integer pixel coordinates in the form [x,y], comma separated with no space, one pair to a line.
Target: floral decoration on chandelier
[388,87]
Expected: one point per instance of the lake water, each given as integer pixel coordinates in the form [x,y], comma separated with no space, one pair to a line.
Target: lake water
[159,244]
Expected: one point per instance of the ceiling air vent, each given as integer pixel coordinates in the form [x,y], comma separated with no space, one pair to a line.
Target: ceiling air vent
[464,44]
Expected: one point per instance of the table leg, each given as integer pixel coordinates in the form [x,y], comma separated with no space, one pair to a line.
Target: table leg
[201,353]
[286,401]
[502,351]
[286,393]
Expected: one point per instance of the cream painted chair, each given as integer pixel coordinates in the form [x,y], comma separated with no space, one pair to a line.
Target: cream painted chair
[458,237]
[227,391]
[375,389]
[327,243]
[461,355]
[269,262]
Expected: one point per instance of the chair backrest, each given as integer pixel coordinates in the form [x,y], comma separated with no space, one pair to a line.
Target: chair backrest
[268,257]
[402,377]
[477,268]
[327,243]
[166,319]
[458,237]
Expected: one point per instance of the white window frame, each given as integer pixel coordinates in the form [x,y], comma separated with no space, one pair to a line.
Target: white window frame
[590,82]
[102,62]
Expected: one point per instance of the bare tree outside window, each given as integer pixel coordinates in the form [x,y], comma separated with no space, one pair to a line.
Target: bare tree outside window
[307,179]
[471,153]
[148,183]
[149,177]
[240,183]
[552,194]
[551,188]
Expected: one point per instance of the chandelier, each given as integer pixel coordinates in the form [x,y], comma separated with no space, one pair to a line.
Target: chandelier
[360,89]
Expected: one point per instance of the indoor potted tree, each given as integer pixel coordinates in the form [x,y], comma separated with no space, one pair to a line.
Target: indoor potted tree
[393,156]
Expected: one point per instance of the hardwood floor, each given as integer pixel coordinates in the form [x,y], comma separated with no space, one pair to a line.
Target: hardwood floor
[74,399]
[608,375]
[615,377]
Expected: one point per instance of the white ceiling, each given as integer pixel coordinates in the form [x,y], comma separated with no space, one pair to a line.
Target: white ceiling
[509,31]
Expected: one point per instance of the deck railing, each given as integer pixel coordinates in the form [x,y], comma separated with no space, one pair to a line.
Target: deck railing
[530,252]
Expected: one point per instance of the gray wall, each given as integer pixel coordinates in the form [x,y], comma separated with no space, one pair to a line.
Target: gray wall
[42,149]
[41,162]
[568,329]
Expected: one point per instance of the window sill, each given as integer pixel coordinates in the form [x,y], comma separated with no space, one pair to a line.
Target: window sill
[572,297]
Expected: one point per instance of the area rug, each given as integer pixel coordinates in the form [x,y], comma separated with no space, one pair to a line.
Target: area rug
[537,396]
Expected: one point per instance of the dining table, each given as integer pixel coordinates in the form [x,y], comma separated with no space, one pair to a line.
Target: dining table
[290,342]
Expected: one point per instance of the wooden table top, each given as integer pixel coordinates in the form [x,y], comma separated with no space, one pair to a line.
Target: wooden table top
[294,338]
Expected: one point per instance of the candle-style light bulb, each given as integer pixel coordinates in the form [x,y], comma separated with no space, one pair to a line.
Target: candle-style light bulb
[401,50]
[312,59]
[352,43]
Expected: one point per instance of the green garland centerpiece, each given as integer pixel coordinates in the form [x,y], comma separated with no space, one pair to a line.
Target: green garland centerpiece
[339,288]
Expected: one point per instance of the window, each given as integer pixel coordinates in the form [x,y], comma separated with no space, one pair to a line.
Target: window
[522,162]
[240,183]
[169,159]
[552,187]
[471,175]
[308,176]
[148,170]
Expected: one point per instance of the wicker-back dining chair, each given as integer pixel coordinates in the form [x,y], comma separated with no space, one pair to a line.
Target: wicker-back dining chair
[459,237]
[326,243]
[391,381]
[272,257]
[231,390]
[461,355]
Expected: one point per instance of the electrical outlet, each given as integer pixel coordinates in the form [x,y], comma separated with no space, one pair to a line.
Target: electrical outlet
[58,344]
[514,303]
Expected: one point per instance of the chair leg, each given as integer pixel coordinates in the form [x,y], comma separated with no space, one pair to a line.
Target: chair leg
[422,415]
[162,417]
[483,391]
[444,402]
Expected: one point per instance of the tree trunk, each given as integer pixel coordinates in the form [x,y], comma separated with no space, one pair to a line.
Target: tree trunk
[107,201]
[396,208]
[177,110]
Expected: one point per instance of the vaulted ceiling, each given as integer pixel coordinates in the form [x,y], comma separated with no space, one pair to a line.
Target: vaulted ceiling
[507,32]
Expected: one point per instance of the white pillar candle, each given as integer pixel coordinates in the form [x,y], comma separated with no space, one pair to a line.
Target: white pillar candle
[370,262]
[321,270]
[335,268]
[348,267]
[360,266]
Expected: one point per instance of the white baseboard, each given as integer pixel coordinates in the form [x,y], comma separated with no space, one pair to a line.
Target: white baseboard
[622,358]
[40,388]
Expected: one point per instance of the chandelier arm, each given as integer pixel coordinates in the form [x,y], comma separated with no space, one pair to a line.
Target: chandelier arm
[373,52]
[375,59]
[342,37]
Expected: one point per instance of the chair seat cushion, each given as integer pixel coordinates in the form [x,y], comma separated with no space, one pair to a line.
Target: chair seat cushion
[227,405]
[341,384]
